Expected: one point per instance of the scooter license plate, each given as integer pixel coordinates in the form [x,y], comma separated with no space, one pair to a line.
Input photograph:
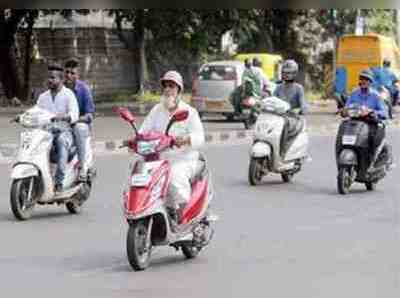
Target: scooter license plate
[349,139]
[140,180]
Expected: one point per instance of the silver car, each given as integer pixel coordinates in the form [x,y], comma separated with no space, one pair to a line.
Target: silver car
[214,84]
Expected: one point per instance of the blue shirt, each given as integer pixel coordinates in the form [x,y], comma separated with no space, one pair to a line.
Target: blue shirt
[383,76]
[369,99]
[84,96]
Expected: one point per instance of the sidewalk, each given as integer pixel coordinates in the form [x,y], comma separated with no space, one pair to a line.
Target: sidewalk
[140,108]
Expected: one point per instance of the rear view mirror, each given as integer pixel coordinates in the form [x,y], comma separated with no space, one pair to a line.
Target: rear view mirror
[125,114]
[180,115]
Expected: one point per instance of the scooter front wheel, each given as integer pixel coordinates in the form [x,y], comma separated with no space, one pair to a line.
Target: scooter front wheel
[344,180]
[22,196]
[138,245]
[255,171]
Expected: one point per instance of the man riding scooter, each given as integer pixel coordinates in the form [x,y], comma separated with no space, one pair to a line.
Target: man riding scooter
[82,128]
[293,93]
[189,136]
[368,98]
[61,101]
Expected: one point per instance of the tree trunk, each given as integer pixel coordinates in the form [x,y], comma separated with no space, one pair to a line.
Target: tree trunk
[140,40]
[28,60]
[8,72]
[396,20]
[9,77]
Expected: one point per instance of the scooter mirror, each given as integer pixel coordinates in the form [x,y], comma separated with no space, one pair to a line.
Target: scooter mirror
[125,114]
[180,115]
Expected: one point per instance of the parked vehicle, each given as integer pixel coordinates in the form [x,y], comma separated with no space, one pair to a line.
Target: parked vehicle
[213,85]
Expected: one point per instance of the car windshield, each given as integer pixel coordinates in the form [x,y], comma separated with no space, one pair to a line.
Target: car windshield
[217,73]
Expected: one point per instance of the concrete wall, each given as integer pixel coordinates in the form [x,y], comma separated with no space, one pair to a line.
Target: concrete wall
[105,63]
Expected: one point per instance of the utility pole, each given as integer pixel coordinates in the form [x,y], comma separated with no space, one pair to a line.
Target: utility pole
[333,23]
[396,21]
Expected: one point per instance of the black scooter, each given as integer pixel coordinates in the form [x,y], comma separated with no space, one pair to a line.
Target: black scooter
[355,161]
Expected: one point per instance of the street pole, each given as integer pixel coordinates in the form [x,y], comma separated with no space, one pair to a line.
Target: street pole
[396,20]
[335,42]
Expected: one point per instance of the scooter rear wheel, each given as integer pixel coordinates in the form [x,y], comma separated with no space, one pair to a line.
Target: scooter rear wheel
[287,177]
[370,186]
[190,251]
[74,207]
[137,246]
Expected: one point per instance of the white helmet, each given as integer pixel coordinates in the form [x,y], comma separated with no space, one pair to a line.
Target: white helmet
[173,76]
[289,70]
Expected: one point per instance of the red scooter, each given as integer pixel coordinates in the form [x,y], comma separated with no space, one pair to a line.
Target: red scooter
[150,221]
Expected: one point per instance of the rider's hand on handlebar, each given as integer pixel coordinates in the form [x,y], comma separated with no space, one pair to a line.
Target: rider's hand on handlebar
[182,141]
[61,117]
[344,112]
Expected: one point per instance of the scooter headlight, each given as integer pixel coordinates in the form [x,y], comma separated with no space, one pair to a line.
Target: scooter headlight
[147,147]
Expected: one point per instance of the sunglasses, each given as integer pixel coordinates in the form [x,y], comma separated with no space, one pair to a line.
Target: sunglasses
[169,85]
[70,72]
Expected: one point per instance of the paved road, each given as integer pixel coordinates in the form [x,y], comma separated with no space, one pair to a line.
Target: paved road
[274,240]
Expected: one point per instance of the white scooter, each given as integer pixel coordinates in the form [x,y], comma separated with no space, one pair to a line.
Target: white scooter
[33,172]
[280,142]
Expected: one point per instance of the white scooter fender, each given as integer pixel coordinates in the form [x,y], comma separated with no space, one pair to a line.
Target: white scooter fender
[24,170]
[260,149]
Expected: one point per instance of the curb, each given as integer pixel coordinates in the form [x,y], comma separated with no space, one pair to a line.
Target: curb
[144,108]
[233,137]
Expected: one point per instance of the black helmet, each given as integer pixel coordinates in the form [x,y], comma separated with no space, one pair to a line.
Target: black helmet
[386,62]
[257,62]
[367,74]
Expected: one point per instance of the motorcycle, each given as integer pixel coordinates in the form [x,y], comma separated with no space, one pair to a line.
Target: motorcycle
[32,175]
[246,103]
[150,220]
[280,142]
[354,161]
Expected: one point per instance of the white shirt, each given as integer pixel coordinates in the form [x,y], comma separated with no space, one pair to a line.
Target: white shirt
[64,102]
[157,120]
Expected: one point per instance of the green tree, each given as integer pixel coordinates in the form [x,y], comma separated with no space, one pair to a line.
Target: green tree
[196,32]
[15,83]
